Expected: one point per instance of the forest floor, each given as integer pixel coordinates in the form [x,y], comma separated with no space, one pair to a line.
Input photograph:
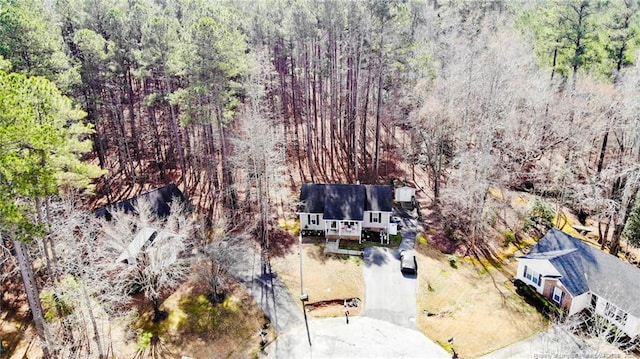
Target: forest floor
[197,328]
[17,335]
[194,327]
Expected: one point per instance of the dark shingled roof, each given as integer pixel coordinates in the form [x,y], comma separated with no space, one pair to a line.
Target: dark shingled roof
[160,200]
[311,198]
[586,268]
[344,201]
[379,198]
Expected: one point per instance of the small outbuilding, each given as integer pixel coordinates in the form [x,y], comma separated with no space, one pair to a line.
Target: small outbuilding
[404,194]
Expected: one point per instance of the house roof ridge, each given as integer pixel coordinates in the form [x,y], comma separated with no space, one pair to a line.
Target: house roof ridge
[549,254]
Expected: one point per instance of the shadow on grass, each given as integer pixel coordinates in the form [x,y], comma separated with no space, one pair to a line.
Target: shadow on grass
[317,252]
[281,242]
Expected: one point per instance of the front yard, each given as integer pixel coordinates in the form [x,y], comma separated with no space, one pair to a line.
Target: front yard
[326,278]
[477,306]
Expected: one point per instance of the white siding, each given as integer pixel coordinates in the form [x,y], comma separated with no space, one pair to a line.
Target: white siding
[404,194]
[632,324]
[580,302]
[307,219]
[384,218]
[540,266]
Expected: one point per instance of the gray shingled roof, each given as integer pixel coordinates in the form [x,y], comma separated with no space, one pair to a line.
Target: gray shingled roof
[344,201]
[160,200]
[311,198]
[379,198]
[586,268]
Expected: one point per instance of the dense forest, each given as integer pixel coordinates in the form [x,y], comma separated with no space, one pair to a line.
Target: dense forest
[240,102]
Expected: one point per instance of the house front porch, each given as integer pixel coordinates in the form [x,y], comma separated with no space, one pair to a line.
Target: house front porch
[350,230]
[333,246]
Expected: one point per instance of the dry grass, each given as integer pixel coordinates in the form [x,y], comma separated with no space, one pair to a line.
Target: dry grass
[325,278]
[199,329]
[475,304]
[194,327]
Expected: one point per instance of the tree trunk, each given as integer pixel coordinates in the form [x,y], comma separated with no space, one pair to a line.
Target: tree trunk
[376,161]
[178,142]
[33,297]
[603,150]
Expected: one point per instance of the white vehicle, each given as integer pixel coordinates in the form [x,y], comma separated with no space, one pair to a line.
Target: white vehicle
[408,263]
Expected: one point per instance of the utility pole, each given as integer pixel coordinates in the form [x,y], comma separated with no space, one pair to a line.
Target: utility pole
[303,296]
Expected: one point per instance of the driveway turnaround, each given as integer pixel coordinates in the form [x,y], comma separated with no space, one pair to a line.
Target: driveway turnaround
[552,343]
[361,338]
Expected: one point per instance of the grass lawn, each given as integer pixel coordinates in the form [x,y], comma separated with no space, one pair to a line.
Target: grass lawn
[476,305]
[326,278]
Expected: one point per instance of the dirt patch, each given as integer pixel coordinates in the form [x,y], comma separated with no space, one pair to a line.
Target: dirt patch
[476,305]
[327,279]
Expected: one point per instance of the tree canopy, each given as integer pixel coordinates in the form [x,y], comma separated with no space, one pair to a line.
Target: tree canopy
[41,140]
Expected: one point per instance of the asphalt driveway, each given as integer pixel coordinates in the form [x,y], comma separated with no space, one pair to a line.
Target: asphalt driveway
[267,289]
[390,295]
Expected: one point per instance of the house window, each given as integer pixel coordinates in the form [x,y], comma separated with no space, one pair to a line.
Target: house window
[558,294]
[375,217]
[615,313]
[532,276]
[313,219]
[334,225]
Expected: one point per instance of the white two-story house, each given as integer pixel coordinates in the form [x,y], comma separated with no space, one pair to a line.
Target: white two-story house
[345,210]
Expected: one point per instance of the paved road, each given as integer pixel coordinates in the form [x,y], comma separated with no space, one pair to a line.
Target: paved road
[362,338]
[552,343]
[267,290]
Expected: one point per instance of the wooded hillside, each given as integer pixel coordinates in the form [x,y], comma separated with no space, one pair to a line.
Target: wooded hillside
[240,102]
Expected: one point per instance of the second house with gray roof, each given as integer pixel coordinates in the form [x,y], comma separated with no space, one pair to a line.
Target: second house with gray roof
[578,276]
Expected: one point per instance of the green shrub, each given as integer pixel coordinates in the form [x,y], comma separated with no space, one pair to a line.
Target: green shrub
[144,340]
[509,237]
[453,261]
[55,306]
[540,212]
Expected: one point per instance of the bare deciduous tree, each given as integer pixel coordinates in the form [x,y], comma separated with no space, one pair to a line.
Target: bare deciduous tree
[146,253]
